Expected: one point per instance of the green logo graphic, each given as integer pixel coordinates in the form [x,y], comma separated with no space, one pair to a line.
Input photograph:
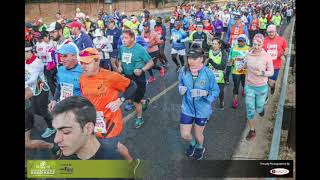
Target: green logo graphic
[41,168]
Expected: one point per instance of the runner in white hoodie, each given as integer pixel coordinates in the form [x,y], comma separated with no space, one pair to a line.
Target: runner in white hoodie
[103,45]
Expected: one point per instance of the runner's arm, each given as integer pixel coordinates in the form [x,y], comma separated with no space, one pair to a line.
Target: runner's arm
[164,30]
[130,91]
[214,90]
[148,66]
[57,93]
[270,70]
[87,41]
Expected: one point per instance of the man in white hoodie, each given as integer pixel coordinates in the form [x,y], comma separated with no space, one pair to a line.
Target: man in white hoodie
[103,45]
[34,78]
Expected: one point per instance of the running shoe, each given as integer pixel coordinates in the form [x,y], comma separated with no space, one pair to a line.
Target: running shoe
[190,150]
[198,153]
[251,135]
[272,90]
[138,122]
[262,113]
[134,164]
[235,104]
[48,132]
[151,79]
[161,72]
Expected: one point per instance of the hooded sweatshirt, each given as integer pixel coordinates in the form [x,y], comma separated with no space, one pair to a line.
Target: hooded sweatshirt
[262,62]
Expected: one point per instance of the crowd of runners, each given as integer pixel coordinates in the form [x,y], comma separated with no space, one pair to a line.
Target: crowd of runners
[79,72]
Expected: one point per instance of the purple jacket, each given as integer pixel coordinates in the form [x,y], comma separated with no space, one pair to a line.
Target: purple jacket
[218,26]
[200,15]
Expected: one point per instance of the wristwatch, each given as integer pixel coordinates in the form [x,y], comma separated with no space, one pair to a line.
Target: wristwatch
[122,99]
[262,73]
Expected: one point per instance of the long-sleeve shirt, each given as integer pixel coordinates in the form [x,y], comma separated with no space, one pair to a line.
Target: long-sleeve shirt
[178,35]
[34,74]
[83,41]
[104,45]
[256,63]
[218,26]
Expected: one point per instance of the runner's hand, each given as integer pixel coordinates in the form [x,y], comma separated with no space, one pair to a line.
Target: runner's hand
[137,72]
[198,93]
[114,105]
[51,105]
[182,90]
[120,69]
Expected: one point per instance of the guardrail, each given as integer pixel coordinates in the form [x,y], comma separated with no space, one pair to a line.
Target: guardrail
[274,150]
[275,143]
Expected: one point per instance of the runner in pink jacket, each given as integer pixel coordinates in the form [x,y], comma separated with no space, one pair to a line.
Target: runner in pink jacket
[259,67]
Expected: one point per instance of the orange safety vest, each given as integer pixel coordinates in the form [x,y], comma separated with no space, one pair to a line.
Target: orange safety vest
[235,32]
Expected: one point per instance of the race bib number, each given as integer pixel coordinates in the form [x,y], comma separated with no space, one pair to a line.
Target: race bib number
[217,74]
[126,58]
[273,51]
[110,38]
[100,125]
[198,19]
[107,56]
[66,91]
[172,21]
[239,64]
[236,30]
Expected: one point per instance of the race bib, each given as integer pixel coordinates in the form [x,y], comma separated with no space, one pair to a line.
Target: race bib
[172,21]
[239,64]
[198,19]
[217,74]
[107,56]
[236,30]
[66,90]
[110,38]
[100,125]
[273,51]
[126,58]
